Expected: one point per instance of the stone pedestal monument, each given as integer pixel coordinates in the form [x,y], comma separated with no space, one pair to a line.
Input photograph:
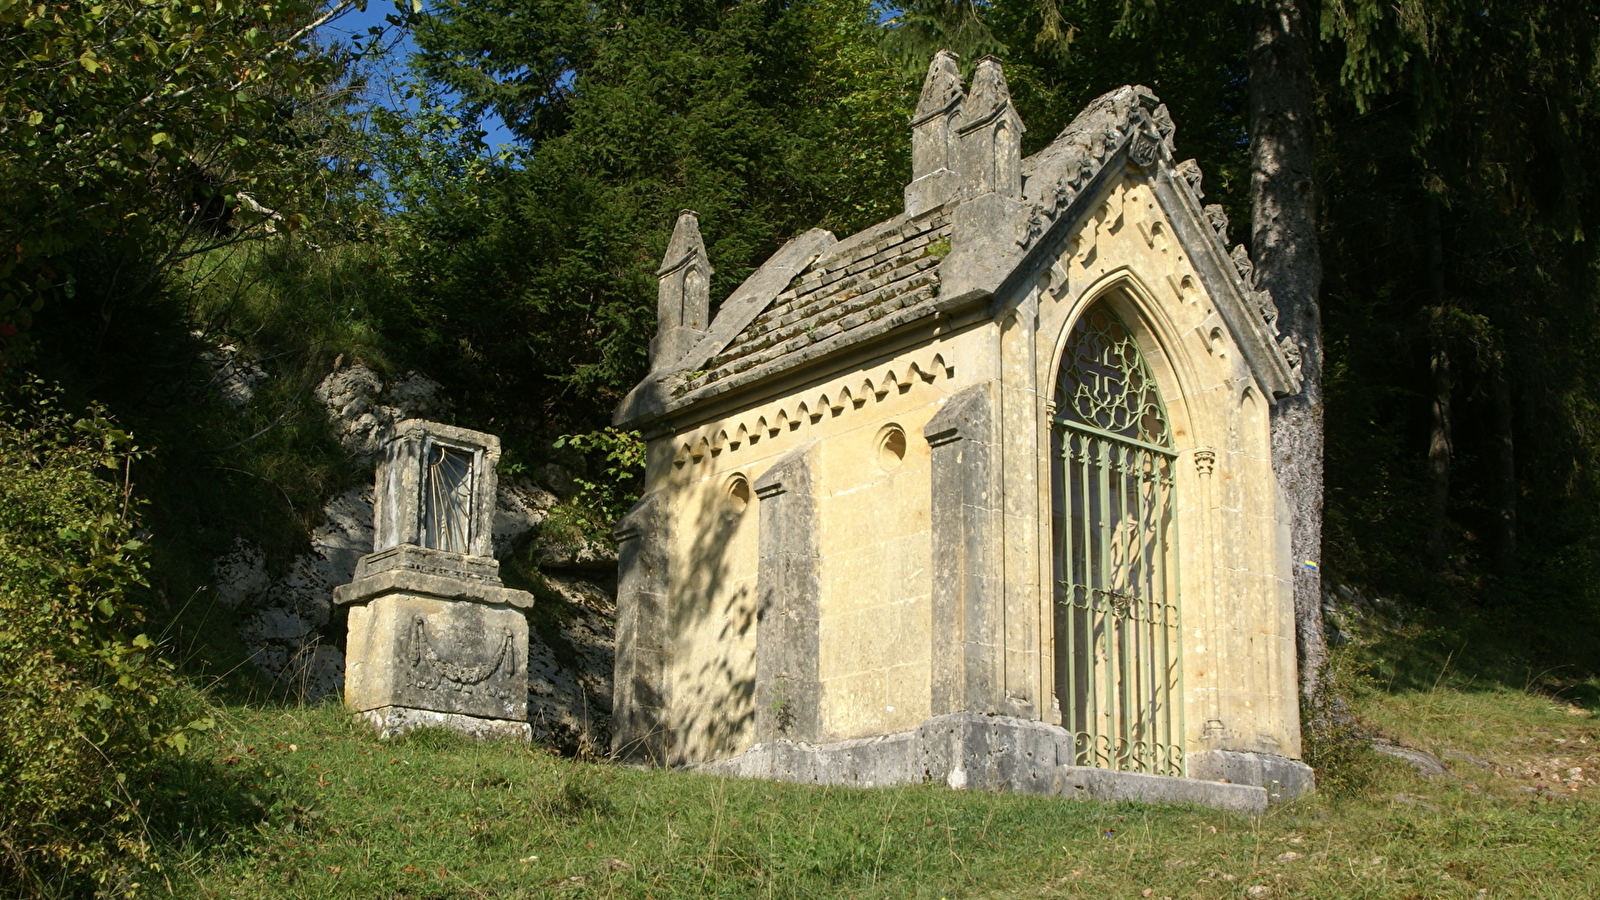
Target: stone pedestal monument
[434,638]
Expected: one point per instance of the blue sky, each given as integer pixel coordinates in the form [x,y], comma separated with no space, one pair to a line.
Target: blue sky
[356,22]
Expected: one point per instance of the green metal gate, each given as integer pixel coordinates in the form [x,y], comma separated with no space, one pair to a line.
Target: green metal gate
[1118,650]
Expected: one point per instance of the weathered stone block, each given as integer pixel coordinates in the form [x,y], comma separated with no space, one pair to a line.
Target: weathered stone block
[444,656]
[1085,783]
[788,693]
[1283,779]
[966,533]
[986,244]
[393,721]
[990,753]
[638,685]
[432,631]
[993,753]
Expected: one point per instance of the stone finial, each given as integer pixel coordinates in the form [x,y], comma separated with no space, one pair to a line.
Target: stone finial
[933,178]
[989,136]
[683,300]
[941,89]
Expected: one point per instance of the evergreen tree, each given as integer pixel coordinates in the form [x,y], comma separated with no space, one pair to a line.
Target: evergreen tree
[536,293]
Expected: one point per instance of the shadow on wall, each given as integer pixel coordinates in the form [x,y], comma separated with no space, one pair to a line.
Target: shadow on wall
[711,624]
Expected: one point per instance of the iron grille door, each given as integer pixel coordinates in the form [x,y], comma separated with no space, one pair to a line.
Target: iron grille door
[1118,659]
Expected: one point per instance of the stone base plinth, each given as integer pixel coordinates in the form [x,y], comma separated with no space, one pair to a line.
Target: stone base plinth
[393,721]
[421,652]
[1285,779]
[999,753]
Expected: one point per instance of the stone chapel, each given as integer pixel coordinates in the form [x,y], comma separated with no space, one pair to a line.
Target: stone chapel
[982,494]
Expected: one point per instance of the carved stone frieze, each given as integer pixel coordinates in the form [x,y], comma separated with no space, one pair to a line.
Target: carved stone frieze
[445,656]
[431,670]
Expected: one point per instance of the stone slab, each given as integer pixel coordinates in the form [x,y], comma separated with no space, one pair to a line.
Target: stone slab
[393,721]
[422,652]
[426,561]
[1085,783]
[1284,779]
[427,584]
[865,762]
[968,751]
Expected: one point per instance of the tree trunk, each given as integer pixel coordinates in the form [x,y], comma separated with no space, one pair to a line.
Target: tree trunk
[1440,445]
[1439,448]
[1283,201]
[1505,468]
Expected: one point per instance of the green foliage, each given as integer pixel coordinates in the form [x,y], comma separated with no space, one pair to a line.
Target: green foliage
[532,293]
[133,133]
[85,709]
[617,473]
[1335,744]
[921,28]
[1435,113]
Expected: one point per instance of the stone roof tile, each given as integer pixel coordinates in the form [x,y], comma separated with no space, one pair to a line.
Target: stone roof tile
[885,269]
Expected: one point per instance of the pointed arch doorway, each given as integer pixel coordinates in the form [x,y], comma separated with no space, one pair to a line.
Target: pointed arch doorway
[1118,670]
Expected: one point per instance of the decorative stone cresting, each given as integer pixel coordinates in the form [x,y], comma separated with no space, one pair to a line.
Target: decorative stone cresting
[835,399]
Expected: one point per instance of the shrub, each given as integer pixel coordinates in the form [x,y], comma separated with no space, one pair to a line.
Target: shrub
[85,710]
[601,503]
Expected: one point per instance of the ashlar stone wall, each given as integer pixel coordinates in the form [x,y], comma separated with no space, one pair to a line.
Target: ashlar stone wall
[834,478]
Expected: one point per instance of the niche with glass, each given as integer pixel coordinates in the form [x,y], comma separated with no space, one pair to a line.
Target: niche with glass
[436,489]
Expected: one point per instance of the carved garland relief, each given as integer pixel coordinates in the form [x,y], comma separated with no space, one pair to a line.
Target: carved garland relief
[430,671]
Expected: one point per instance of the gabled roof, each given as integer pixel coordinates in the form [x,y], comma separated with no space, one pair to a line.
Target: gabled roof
[891,268]
[818,296]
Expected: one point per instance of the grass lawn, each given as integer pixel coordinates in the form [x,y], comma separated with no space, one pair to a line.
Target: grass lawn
[302,803]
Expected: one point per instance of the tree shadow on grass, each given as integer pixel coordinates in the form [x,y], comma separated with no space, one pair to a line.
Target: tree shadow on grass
[1539,644]
[195,807]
